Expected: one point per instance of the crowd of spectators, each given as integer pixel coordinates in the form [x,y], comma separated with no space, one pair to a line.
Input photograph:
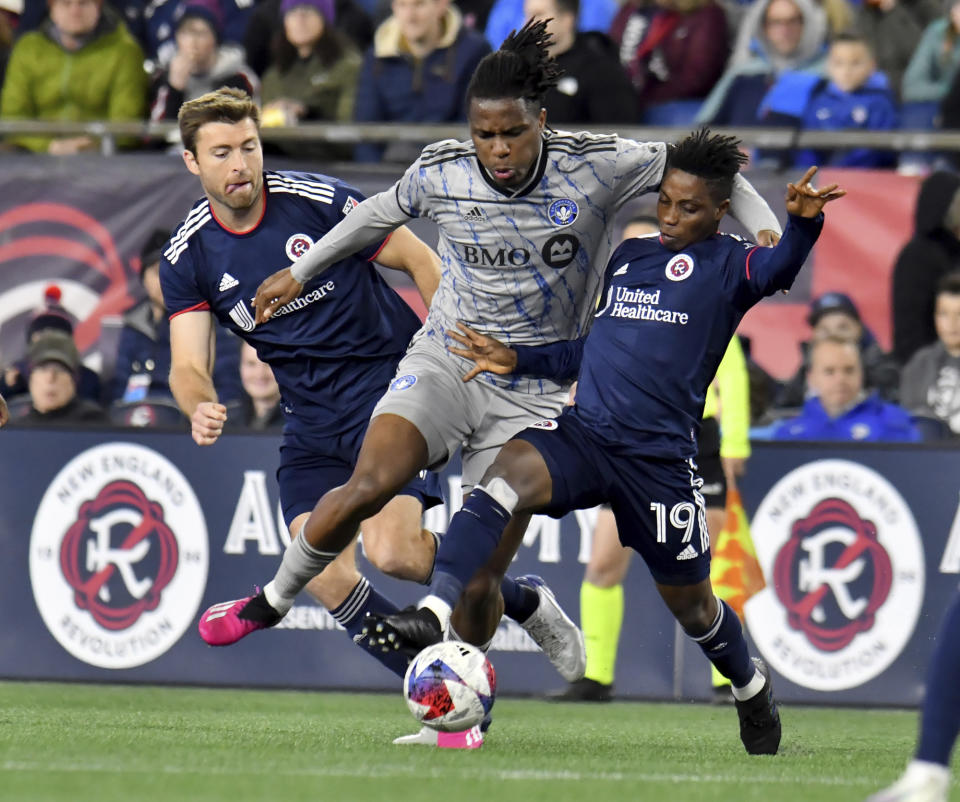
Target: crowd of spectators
[804,64]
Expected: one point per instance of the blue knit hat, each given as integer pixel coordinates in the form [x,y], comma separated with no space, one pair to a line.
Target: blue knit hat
[324,7]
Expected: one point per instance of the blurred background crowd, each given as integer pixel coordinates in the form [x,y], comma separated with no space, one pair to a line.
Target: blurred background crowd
[829,65]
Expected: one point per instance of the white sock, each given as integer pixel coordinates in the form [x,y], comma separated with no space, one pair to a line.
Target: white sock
[751,689]
[483,647]
[275,600]
[439,608]
[924,769]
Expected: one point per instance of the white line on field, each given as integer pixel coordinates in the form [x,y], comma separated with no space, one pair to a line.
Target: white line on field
[386,771]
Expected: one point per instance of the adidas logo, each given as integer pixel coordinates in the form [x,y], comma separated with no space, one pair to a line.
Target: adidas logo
[621,270]
[689,553]
[227,282]
[475,215]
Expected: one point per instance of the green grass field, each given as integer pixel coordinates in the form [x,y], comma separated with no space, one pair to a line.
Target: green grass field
[139,744]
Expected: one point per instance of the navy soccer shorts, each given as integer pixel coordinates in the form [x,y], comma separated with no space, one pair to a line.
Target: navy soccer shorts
[657,503]
[310,466]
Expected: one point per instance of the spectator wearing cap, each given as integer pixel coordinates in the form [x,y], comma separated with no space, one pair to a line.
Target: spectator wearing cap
[840,409]
[52,316]
[417,70]
[54,363]
[313,76]
[199,64]
[931,253]
[81,64]
[142,367]
[834,314]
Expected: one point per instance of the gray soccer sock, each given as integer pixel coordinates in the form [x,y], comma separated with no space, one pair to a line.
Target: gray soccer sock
[301,563]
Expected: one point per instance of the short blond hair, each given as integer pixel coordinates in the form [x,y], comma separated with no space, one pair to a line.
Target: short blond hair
[223,105]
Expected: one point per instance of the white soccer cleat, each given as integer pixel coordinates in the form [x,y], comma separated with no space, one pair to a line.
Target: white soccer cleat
[552,630]
[921,782]
[468,739]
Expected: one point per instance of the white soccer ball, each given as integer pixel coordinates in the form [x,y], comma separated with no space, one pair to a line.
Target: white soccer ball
[450,686]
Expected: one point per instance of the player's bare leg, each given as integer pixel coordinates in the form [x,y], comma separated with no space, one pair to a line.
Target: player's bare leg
[716,629]
[395,542]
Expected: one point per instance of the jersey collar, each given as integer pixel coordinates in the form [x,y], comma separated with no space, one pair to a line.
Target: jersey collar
[527,187]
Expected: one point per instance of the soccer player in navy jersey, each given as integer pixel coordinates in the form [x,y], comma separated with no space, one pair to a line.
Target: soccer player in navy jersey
[667,312]
[333,351]
[525,223]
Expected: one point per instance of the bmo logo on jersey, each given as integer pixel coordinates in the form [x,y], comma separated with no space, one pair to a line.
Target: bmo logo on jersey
[297,245]
[500,257]
[118,556]
[843,561]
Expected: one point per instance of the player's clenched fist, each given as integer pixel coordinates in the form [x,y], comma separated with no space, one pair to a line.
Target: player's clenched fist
[206,422]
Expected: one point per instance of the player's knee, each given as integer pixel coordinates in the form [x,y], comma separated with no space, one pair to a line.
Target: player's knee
[696,614]
[383,554]
[367,493]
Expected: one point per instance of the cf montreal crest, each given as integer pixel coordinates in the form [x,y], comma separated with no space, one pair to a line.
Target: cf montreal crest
[297,245]
[844,567]
[118,557]
[563,212]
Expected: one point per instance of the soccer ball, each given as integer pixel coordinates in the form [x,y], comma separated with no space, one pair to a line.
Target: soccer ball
[450,686]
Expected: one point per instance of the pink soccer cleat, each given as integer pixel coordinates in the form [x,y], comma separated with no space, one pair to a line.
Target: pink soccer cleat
[228,622]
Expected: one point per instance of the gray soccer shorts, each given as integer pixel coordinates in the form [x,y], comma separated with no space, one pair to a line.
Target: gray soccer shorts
[477,415]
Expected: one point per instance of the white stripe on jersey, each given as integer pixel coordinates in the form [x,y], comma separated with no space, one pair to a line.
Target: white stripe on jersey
[318,192]
[327,199]
[188,221]
[303,183]
[172,254]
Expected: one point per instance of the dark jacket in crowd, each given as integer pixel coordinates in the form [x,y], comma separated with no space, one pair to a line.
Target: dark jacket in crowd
[931,253]
[395,87]
[79,410]
[594,88]
[144,351]
[930,386]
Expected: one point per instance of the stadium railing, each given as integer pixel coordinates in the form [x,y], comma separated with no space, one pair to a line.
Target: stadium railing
[353,133]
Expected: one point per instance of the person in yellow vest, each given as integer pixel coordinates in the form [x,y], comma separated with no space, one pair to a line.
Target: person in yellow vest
[722,457]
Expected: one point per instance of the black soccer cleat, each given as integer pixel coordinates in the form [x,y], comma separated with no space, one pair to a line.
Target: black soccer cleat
[410,631]
[759,718]
[583,690]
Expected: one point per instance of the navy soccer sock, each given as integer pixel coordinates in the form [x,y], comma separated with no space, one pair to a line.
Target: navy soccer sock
[472,538]
[725,647]
[350,613]
[940,720]
[519,601]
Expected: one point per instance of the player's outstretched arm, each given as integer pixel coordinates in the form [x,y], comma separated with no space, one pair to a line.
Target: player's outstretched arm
[559,360]
[191,379]
[369,222]
[407,252]
[805,201]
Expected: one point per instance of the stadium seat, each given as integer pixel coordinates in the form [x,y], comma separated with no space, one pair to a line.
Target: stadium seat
[931,429]
[151,412]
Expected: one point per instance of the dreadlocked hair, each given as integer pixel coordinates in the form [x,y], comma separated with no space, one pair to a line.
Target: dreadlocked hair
[521,68]
[714,158]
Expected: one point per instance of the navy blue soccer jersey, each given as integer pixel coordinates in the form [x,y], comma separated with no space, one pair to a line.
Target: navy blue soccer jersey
[334,349]
[663,325]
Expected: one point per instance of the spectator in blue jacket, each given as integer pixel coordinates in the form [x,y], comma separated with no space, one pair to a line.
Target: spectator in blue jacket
[840,410]
[417,70]
[143,352]
[854,95]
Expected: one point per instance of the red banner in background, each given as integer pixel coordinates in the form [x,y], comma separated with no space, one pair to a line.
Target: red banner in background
[82,222]
[857,250]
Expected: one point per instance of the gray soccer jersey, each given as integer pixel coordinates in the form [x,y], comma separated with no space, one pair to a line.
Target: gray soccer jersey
[526,266]
[523,265]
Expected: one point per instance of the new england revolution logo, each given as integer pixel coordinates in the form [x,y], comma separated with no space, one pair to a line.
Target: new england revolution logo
[680,267]
[297,245]
[563,212]
[844,564]
[118,556]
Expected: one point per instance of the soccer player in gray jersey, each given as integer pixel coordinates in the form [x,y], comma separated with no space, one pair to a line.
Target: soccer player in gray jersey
[525,219]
